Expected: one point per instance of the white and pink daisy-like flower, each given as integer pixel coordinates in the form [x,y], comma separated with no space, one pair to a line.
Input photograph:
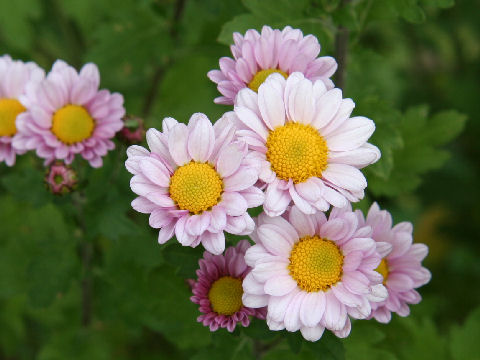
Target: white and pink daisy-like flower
[15,76]
[313,273]
[307,146]
[218,289]
[195,182]
[256,56]
[67,115]
[401,265]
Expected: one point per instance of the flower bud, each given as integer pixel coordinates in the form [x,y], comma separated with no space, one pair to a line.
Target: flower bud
[60,178]
[133,131]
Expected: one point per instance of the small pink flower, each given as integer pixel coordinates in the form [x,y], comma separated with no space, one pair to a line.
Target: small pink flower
[195,182]
[401,265]
[308,148]
[218,289]
[68,115]
[313,273]
[61,178]
[256,56]
[15,76]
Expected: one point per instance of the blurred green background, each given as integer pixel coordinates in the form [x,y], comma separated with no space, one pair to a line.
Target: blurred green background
[85,279]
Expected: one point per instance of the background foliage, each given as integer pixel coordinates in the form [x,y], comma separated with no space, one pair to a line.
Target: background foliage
[86,280]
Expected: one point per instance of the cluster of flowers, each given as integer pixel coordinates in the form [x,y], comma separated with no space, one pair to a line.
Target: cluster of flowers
[290,146]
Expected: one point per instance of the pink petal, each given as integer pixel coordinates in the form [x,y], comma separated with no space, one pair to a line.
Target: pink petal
[313,308]
[280,285]
[177,144]
[352,134]
[201,138]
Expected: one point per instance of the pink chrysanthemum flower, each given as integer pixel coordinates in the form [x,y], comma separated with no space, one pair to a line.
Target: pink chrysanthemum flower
[218,289]
[256,56]
[15,75]
[68,115]
[308,148]
[195,182]
[312,273]
[400,267]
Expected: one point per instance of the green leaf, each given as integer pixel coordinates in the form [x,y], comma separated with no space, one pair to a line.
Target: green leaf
[464,344]
[278,14]
[16,22]
[363,342]
[329,347]
[276,9]
[422,136]
[409,10]
[424,342]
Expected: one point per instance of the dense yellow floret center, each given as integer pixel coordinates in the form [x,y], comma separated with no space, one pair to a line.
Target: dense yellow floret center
[72,124]
[225,295]
[315,263]
[383,269]
[262,75]
[9,110]
[296,151]
[196,187]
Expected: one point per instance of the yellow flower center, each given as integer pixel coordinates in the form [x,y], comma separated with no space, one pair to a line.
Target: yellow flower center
[297,151]
[262,75]
[225,295]
[72,124]
[383,269]
[9,110]
[196,187]
[315,263]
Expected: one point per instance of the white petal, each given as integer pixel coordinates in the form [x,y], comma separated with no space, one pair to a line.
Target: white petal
[201,138]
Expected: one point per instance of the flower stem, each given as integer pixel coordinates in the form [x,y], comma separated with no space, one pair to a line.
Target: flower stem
[86,252]
[341,51]
[161,69]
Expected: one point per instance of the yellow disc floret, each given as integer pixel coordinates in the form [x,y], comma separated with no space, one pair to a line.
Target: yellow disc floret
[9,110]
[196,187]
[315,263]
[296,151]
[383,269]
[262,75]
[225,295]
[72,124]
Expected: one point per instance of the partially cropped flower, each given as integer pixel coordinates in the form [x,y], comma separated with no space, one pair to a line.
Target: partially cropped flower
[308,148]
[15,76]
[195,182]
[133,131]
[68,115]
[218,289]
[312,273]
[401,265]
[256,56]
[61,178]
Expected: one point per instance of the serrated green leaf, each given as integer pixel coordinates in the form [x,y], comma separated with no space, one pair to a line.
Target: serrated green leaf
[422,135]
